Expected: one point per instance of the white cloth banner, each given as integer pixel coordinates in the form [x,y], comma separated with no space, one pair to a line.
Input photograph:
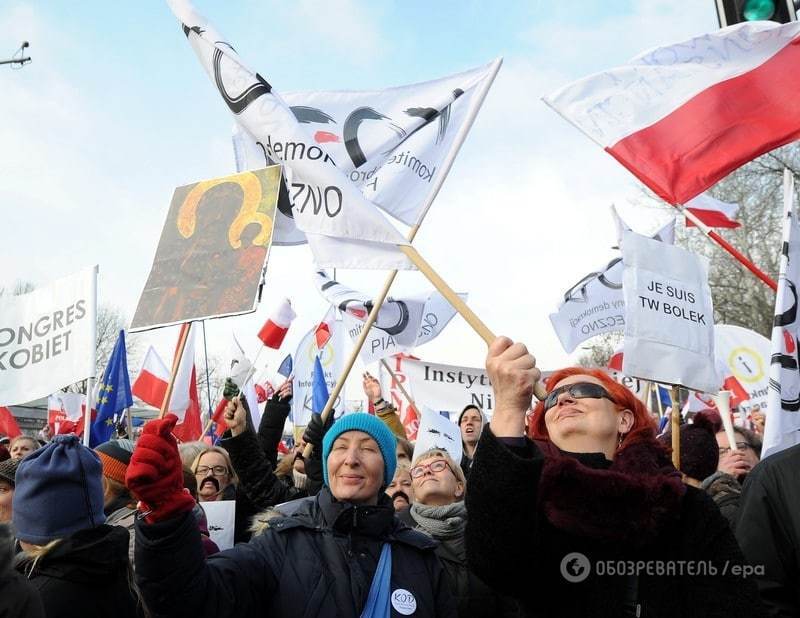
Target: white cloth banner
[392,144]
[448,387]
[436,431]
[782,428]
[669,317]
[402,324]
[324,200]
[596,304]
[47,338]
[221,519]
[746,356]
[331,356]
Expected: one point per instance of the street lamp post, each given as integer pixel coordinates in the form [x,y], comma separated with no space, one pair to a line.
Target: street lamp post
[22,59]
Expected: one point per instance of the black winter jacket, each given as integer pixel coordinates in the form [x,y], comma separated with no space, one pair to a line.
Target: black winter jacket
[319,561]
[768,529]
[554,531]
[86,576]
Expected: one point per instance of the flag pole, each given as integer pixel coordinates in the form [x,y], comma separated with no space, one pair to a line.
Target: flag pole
[87,415]
[675,424]
[399,384]
[748,264]
[176,362]
[723,401]
[208,377]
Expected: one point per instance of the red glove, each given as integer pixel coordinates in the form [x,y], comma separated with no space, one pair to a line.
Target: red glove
[155,473]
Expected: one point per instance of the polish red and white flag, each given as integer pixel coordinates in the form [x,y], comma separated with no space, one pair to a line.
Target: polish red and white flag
[712,212]
[680,117]
[151,384]
[275,328]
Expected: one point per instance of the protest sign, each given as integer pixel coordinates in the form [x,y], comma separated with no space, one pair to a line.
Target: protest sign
[391,382]
[221,519]
[446,387]
[669,330]
[47,337]
[436,431]
[212,251]
[331,356]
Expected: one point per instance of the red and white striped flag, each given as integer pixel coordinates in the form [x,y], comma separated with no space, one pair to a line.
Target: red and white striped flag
[151,384]
[275,328]
[712,212]
[681,117]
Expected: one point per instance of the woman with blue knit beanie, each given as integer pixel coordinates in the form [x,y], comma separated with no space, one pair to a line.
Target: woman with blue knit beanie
[340,553]
[77,562]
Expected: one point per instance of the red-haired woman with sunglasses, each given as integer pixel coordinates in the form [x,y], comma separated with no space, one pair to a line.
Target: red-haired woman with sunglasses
[581,513]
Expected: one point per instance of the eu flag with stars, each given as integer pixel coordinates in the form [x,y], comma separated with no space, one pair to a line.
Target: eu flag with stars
[114,394]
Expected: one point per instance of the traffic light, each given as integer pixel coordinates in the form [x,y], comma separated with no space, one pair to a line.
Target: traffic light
[732,12]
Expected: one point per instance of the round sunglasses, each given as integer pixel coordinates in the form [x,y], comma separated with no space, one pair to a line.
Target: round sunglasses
[579,390]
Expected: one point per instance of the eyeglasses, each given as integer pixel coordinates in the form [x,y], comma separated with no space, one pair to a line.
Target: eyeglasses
[215,470]
[434,466]
[579,390]
[739,445]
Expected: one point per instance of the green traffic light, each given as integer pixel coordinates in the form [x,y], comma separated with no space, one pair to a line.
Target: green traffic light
[755,10]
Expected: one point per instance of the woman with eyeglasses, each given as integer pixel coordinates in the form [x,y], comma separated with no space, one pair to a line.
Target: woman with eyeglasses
[579,511]
[438,510]
[217,480]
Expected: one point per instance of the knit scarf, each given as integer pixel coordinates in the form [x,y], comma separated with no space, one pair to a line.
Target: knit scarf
[441,522]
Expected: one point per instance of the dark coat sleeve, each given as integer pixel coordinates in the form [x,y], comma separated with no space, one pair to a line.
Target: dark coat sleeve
[724,591]
[256,474]
[270,429]
[501,501]
[766,537]
[176,579]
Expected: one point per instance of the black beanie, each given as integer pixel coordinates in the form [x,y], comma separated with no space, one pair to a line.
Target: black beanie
[699,448]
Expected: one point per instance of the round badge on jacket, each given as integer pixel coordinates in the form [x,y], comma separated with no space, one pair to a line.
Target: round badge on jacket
[404,602]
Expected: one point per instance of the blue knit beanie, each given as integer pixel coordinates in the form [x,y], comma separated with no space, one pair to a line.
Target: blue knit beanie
[59,491]
[376,428]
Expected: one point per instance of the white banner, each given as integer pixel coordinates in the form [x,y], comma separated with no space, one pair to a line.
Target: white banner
[596,304]
[436,431]
[221,519]
[669,330]
[392,143]
[402,324]
[331,356]
[782,428]
[447,388]
[746,356]
[47,338]
[324,200]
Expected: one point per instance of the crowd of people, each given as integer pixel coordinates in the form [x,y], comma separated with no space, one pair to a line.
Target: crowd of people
[567,507]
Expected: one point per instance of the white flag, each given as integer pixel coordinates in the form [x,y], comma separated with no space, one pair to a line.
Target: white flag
[396,144]
[325,202]
[782,428]
[241,373]
[669,317]
[402,324]
[47,338]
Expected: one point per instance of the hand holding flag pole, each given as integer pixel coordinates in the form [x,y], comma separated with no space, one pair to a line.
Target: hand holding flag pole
[399,384]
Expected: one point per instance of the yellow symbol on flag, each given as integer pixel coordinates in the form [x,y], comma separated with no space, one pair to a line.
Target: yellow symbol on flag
[746,365]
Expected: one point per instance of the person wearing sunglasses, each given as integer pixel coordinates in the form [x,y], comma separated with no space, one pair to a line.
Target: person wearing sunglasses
[580,484]
[438,510]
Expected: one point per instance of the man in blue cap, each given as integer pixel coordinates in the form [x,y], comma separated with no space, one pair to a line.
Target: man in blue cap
[340,553]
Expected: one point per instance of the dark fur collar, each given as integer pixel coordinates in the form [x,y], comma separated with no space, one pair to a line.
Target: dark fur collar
[629,502]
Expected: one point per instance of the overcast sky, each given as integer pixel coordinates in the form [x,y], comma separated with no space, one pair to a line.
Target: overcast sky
[115,111]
